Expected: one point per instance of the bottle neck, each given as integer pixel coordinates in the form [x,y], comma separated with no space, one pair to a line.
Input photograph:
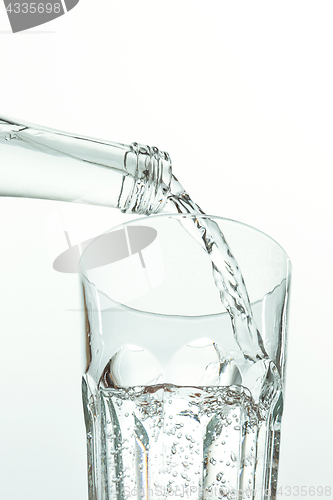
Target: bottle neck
[146,187]
[42,163]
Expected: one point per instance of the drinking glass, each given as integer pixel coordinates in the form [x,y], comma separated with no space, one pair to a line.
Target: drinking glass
[181,397]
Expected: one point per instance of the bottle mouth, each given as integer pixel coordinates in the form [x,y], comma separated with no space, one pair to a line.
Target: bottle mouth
[146,186]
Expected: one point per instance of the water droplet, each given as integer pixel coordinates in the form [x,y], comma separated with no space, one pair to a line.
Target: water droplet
[223,442]
[237,428]
[212,461]
[228,463]
[173,449]
[233,456]
[219,476]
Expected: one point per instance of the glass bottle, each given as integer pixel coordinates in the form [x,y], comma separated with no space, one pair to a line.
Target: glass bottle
[38,162]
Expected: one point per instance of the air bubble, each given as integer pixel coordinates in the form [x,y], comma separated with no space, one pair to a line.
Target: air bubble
[233,456]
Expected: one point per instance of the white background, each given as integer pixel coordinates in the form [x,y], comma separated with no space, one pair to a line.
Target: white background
[240,94]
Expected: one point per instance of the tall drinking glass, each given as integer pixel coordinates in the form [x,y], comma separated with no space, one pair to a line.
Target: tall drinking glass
[186,345]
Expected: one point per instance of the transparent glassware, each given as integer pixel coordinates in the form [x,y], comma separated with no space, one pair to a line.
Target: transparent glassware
[178,399]
[37,162]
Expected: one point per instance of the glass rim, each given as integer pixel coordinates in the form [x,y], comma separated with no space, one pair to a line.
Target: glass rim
[179,216]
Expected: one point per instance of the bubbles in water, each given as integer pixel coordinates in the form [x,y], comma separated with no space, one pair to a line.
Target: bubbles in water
[161,450]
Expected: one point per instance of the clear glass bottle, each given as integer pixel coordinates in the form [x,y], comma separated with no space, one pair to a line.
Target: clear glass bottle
[37,162]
